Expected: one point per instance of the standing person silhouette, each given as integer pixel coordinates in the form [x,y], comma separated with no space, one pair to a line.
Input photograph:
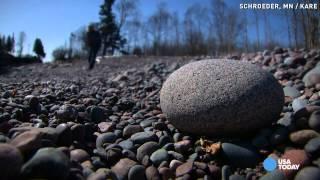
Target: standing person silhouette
[94,43]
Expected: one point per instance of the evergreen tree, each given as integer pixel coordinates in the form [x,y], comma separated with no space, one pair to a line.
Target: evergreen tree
[3,43]
[1,47]
[13,42]
[38,48]
[110,32]
[9,44]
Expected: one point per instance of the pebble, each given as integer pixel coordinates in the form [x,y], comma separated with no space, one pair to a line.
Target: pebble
[314,121]
[64,135]
[313,147]
[27,142]
[279,136]
[152,173]
[78,132]
[47,163]
[71,113]
[240,155]
[11,161]
[142,137]
[291,92]
[79,155]
[131,129]
[182,146]
[137,172]
[312,77]
[106,126]
[108,137]
[184,168]
[298,104]
[121,169]
[308,173]
[166,173]
[174,164]
[146,149]
[159,156]
[126,144]
[225,172]
[303,136]
[67,113]
[236,177]
[100,174]
[97,114]
[274,175]
[296,157]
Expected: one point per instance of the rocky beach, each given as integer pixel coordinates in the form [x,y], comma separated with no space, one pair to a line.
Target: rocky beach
[60,121]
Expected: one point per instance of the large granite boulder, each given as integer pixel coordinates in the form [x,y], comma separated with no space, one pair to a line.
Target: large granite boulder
[221,97]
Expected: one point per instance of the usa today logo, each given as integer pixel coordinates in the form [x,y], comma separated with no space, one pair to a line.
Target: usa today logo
[271,164]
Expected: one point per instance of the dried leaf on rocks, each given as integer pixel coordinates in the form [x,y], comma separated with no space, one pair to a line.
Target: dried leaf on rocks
[209,146]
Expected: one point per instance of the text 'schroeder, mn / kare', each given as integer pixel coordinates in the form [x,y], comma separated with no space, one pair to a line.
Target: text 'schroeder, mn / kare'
[278,6]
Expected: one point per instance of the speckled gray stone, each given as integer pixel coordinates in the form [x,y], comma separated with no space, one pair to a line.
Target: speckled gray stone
[221,97]
[312,77]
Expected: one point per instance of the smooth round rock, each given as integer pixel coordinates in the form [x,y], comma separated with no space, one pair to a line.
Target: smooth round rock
[303,136]
[240,155]
[291,92]
[274,175]
[142,137]
[146,149]
[131,129]
[152,173]
[312,77]
[236,177]
[184,168]
[11,161]
[79,155]
[298,104]
[137,172]
[64,135]
[67,113]
[296,156]
[126,144]
[100,174]
[97,114]
[226,172]
[221,97]
[27,141]
[121,169]
[159,156]
[47,163]
[314,121]
[309,173]
[313,147]
[108,137]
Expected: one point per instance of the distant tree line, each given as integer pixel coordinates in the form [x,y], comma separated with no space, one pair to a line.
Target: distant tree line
[213,29]
[11,52]
[7,43]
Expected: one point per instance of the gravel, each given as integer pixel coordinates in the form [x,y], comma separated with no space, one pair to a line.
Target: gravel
[59,121]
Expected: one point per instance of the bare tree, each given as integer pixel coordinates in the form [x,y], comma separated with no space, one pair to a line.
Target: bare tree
[158,27]
[175,33]
[218,14]
[21,40]
[245,34]
[195,25]
[289,28]
[127,9]
[227,23]
[256,18]
[133,29]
